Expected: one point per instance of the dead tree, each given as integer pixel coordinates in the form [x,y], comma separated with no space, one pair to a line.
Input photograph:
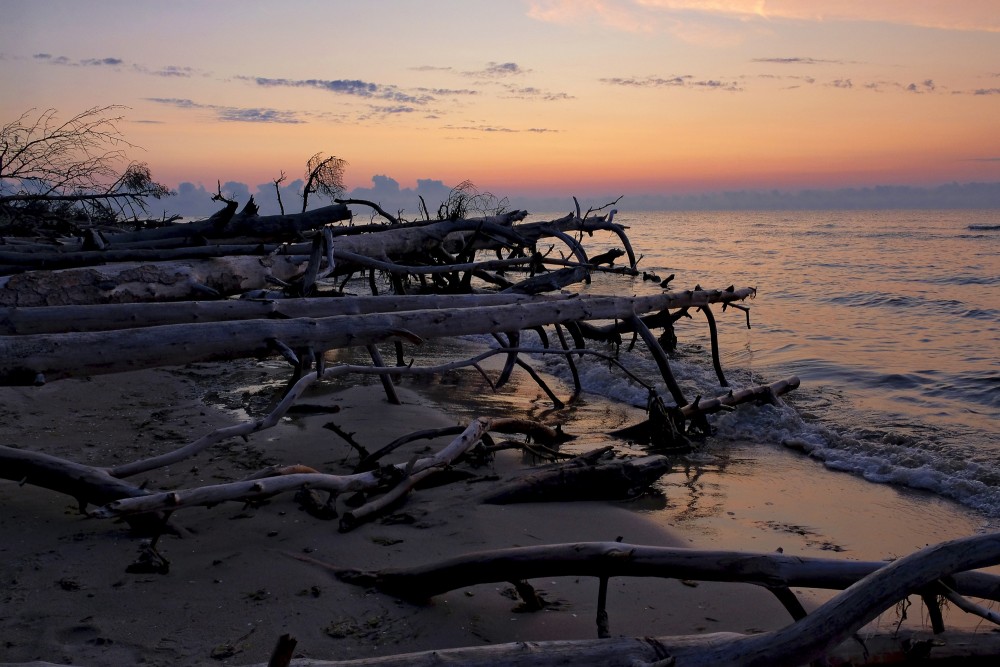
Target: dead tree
[37,358]
[77,160]
[870,589]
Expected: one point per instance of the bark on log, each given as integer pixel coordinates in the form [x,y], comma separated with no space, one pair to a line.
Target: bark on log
[898,648]
[571,481]
[615,559]
[643,431]
[38,358]
[122,283]
[262,488]
[267,226]
[532,429]
[105,317]
[18,262]
[800,643]
[452,233]
[88,485]
[155,281]
[535,231]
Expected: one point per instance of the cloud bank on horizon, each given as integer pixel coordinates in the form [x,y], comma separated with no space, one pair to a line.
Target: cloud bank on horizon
[533,97]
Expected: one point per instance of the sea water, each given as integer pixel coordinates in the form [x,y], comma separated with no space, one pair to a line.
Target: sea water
[891,320]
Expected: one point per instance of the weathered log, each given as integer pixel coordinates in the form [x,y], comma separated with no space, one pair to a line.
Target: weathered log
[265,487]
[262,488]
[267,226]
[615,559]
[548,282]
[156,281]
[18,262]
[643,431]
[283,652]
[660,357]
[384,503]
[713,331]
[535,231]
[570,481]
[393,241]
[870,588]
[534,430]
[113,284]
[88,485]
[504,219]
[105,317]
[967,649]
[36,358]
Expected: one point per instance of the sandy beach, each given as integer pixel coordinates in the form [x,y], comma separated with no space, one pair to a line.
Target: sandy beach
[234,587]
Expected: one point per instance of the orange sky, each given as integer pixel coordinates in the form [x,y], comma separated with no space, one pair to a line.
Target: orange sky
[562,97]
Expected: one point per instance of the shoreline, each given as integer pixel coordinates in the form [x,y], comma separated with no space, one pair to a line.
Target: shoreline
[232,589]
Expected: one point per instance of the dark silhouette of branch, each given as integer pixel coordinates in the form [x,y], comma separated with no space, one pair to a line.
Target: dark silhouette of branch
[78,160]
[325,176]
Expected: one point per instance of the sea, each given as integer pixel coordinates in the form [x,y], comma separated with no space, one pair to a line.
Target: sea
[889,318]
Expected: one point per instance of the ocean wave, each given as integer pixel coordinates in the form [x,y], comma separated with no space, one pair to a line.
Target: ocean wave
[882,457]
[964,279]
[950,307]
[904,454]
[984,228]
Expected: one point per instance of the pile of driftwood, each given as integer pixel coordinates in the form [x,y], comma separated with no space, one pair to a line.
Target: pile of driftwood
[112,302]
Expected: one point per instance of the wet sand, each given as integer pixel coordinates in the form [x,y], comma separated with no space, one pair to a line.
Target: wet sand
[232,588]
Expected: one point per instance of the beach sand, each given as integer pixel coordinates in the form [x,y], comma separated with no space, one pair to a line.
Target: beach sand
[233,586]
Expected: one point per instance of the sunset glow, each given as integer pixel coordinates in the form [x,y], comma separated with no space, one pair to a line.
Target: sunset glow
[543,96]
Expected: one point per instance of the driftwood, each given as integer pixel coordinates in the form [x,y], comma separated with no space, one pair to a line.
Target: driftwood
[663,420]
[870,589]
[108,284]
[40,344]
[32,359]
[953,649]
[154,281]
[47,342]
[105,317]
[229,275]
[609,479]
[260,227]
[268,486]
[602,480]
[538,432]
[616,559]
[87,484]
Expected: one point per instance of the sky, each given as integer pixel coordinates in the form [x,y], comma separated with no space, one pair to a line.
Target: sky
[527,97]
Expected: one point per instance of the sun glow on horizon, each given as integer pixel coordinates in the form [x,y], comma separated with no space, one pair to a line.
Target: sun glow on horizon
[629,95]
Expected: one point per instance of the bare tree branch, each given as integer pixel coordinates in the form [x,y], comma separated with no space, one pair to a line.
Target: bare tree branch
[325,176]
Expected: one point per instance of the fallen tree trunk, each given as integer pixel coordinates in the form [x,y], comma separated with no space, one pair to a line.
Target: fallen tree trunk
[124,282]
[42,284]
[155,281]
[615,559]
[869,594]
[899,648]
[88,485]
[105,317]
[265,226]
[43,357]
[652,431]
[269,486]
[571,481]
[535,231]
